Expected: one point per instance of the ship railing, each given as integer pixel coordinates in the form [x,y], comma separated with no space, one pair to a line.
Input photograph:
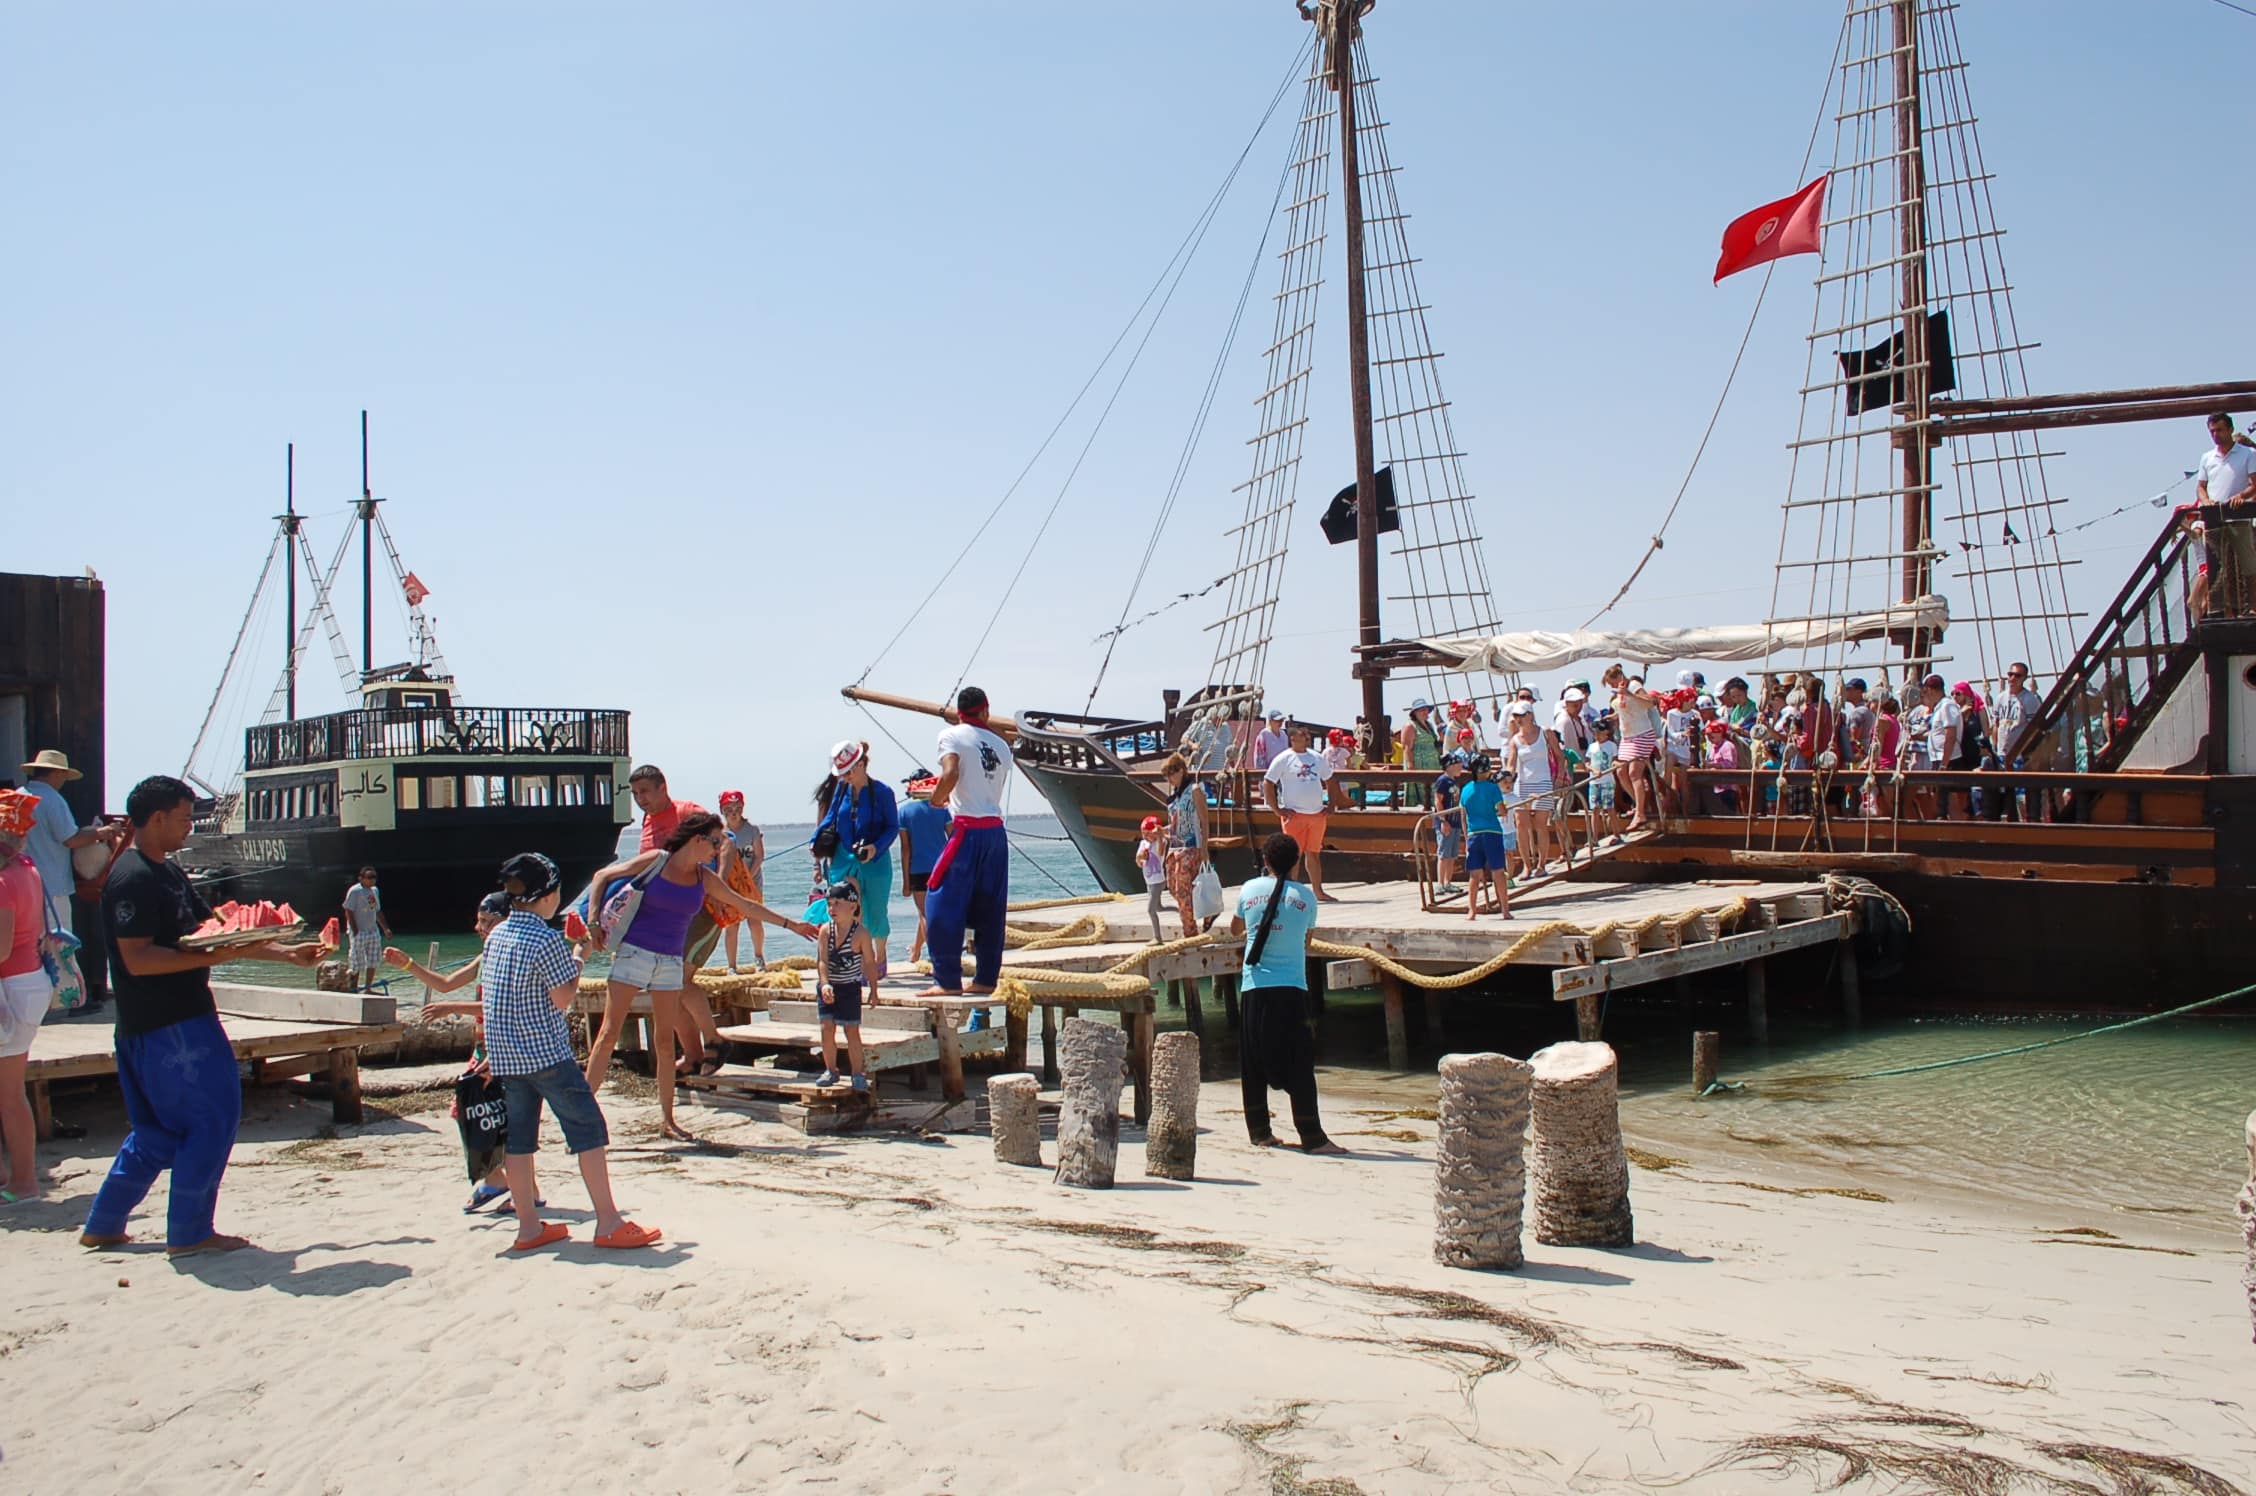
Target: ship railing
[1940,795]
[423,732]
[2141,645]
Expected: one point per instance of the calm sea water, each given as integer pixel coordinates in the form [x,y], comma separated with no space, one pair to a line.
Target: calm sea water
[2146,1123]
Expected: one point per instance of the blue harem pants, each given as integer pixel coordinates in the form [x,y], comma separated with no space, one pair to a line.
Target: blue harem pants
[974,893]
[184,1098]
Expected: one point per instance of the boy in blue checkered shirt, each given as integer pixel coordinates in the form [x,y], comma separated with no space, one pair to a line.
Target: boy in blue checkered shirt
[529,980]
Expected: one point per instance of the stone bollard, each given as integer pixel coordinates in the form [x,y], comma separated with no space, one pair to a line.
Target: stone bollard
[1581,1172]
[2247,1209]
[1090,1056]
[1480,1174]
[1171,1140]
[333,976]
[1014,1116]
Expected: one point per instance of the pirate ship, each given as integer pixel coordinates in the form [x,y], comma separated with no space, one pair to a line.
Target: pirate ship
[432,793]
[2114,845]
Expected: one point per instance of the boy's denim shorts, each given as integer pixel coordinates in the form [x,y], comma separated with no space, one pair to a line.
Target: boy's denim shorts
[566,1091]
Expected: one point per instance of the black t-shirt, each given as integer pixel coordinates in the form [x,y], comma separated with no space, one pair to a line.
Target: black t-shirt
[154,901]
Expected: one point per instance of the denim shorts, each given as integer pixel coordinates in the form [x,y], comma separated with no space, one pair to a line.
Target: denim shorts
[566,1091]
[844,1005]
[647,969]
[1449,841]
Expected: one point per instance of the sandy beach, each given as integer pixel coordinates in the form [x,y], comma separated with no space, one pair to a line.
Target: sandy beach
[905,1314]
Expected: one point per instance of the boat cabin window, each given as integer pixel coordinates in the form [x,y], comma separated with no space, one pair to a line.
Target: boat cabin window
[418,698]
[571,789]
[410,792]
[482,790]
[532,789]
[603,789]
[442,791]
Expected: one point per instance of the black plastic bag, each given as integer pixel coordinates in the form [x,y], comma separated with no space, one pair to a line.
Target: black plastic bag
[481,1110]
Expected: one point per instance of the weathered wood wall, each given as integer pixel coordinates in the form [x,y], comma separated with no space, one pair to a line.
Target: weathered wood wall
[51,653]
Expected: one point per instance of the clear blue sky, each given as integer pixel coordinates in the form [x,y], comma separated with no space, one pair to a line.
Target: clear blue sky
[696,336]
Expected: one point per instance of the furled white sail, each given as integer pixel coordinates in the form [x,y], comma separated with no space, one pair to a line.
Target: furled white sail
[1535,650]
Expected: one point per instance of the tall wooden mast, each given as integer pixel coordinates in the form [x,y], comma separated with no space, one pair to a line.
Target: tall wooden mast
[290,525]
[1342,18]
[1912,432]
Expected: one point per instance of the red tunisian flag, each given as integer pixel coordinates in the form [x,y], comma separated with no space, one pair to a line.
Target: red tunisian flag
[1786,227]
[413,586]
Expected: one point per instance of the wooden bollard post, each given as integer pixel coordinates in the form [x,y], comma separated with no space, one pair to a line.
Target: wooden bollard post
[1171,1141]
[1194,1016]
[1049,1044]
[1707,1058]
[1581,1170]
[1091,1055]
[1480,1173]
[1014,1118]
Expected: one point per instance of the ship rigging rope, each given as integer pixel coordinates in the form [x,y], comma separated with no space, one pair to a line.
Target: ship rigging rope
[266,573]
[1191,438]
[1180,266]
[1066,415]
[1654,545]
[1994,1054]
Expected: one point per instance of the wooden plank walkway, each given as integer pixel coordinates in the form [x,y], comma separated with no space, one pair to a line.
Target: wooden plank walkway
[1622,935]
[278,1049]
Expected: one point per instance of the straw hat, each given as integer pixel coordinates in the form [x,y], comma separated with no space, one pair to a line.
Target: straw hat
[52,758]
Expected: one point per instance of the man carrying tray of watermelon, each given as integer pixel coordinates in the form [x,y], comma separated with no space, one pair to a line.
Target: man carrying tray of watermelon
[175,1066]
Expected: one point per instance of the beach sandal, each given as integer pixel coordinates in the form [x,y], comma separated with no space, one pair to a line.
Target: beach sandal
[483,1196]
[711,1065]
[630,1235]
[10,1197]
[551,1232]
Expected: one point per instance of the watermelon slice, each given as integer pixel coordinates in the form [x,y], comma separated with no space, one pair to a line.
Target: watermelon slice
[575,928]
[333,934]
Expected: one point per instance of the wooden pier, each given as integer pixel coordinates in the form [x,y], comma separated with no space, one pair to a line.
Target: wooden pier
[279,1044]
[1594,938]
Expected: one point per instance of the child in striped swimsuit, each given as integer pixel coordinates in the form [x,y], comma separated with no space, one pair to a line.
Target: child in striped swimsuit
[842,953]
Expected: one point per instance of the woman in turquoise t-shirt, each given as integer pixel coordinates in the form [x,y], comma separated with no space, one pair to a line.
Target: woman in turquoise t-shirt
[1274,1045]
[1485,842]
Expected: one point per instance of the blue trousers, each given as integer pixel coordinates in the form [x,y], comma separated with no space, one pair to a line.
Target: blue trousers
[184,1098]
[974,895]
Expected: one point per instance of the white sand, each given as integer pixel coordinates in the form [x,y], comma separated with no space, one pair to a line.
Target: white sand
[882,1314]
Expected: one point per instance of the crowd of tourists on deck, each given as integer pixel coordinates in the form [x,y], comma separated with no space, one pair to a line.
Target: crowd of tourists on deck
[1598,762]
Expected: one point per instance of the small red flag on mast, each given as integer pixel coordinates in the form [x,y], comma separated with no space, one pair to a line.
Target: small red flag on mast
[1786,227]
[413,586]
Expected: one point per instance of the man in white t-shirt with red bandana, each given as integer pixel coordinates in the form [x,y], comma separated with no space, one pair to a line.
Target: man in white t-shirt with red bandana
[970,885]
[2227,478]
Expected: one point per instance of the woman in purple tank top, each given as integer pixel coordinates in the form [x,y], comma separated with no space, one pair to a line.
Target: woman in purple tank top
[675,880]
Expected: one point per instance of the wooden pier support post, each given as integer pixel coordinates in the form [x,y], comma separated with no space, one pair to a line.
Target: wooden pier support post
[1852,984]
[1397,1026]
[1433,999]
[1088,1131]
[1480,1166]
[1014,1039]
[1014,1118]
[1590,1016]
[1758,1001]
[1194,1016]
[1228,982]
[1142,1031]
[344,1085]
[1581,1169]
[1707,1058]
[1049,1044]
[1171,1142]
[951,1058]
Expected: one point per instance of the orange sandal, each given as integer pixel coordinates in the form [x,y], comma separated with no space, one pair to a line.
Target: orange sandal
[630,1235]
[551,1233]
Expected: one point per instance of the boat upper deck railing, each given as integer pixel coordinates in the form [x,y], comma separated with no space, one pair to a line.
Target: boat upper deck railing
[421,732]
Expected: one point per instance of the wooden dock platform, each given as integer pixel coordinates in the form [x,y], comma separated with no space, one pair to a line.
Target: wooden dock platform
[278,1049]
[1596,937]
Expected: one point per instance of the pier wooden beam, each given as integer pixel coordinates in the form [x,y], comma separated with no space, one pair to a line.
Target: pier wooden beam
[1852,983]
[1572,982]
[1758,1001]
[1707,1059]
[1397,1026]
